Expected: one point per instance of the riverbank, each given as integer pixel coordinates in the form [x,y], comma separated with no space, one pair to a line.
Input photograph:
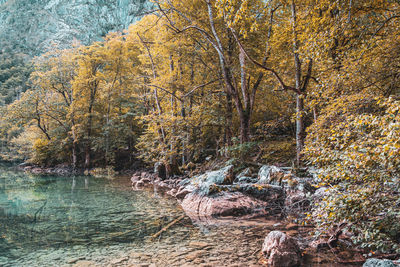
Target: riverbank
[273,193]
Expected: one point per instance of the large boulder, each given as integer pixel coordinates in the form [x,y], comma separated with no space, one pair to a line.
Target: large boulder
[245,176]
[205,181]
[280,250]
[222,204]
[379,263]
[270,175]
[272,195]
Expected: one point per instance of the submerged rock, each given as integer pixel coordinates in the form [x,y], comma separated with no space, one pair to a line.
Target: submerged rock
[281,250]
[85,263]
[379,263]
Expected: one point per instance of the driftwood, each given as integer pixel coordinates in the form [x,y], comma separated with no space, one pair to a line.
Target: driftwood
[39,211]
[167,227]
[114,235]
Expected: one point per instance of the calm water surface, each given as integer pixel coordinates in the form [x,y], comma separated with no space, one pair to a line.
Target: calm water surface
[56,213]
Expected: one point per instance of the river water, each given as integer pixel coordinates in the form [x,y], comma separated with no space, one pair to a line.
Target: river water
[87,221]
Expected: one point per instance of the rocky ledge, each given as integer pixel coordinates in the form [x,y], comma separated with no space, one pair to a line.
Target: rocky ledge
[61,170]
[271,191]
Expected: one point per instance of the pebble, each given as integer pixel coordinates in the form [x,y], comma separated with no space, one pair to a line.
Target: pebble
[117,261]
[198,244]
[84,264]
[194,255]
[73,260]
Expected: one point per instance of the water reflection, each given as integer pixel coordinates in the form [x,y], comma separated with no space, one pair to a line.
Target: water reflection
[48,212]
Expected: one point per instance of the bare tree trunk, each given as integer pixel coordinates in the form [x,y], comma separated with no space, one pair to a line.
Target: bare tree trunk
[299,97]
[299,127]
[74,156]
[229,120]
[89,126]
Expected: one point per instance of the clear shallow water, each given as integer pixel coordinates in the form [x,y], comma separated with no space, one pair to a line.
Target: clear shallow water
[51,213]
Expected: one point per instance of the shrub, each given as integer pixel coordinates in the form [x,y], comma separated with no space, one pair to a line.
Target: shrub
[356,145]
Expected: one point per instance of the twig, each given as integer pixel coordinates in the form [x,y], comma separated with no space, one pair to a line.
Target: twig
[39,211]
[167,227]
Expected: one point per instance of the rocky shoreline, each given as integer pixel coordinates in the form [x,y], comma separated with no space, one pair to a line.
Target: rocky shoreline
[270,192]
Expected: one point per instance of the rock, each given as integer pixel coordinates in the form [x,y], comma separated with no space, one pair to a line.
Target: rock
[145,180]
[280,250]
[137,185]
[163,185]
[245,180]
[222,204]
[245,177]
[245,172]
[218,177]
[195,255]
[184,182]
[320,193]
[270,175]
[73,260]
[274,195]
[172,192]
[118,261]
[85,264]
[198,244]
[182,192]
[304,185]
[379,263]
[160,170]
[237,232]
[135,178]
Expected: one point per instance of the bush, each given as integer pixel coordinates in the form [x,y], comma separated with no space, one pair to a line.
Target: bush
[356,145]
[241,151]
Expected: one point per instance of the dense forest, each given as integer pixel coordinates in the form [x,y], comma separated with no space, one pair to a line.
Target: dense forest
[302,83]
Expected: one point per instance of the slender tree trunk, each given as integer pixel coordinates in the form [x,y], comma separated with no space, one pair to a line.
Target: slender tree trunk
[299,127]
[74,156]
[244,128]
[89,132]
[229,120]
[299,97]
